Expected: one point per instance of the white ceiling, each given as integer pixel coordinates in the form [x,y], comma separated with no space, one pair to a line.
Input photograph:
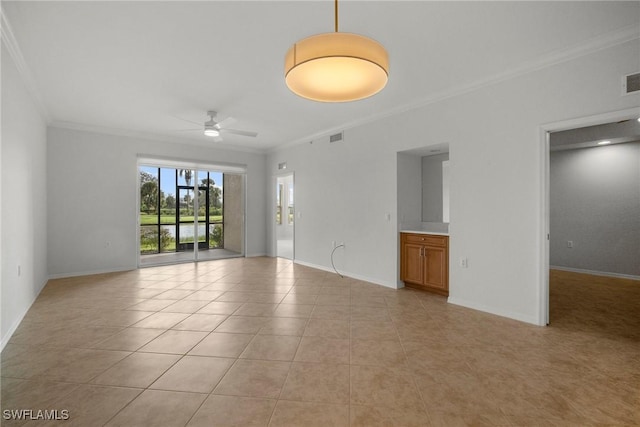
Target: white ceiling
[136,66]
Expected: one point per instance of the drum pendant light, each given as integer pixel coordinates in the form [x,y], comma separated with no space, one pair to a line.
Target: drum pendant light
[336,67]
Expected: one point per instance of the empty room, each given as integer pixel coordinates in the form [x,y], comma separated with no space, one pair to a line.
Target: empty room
[320,213]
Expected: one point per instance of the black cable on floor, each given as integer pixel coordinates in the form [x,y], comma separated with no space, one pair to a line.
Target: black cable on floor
[332,264]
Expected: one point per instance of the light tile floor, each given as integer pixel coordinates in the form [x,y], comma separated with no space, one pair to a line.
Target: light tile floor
[261,341]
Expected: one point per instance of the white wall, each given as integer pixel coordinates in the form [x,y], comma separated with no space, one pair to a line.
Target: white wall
[409,191]
[24,199]
[432,196]
[342,195]
[595,203]
[93,184]
[234,202]
[344,190]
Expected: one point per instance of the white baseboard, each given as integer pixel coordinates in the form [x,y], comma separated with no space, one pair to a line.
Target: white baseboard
[595,273]
[347,274]
[90,273]
[312,265]
[492,310]
[129,268]
[5,339]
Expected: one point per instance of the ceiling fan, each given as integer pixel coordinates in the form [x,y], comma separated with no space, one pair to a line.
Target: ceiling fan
[215,129]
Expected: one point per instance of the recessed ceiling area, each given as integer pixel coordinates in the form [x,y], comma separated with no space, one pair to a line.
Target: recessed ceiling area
[593,136]
[142,67]
[430,150]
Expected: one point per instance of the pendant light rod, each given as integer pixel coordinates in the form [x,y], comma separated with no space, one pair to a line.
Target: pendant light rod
[336,13]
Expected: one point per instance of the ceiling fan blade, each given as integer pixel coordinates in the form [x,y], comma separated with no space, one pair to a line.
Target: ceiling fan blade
[187,120]
[239,132]
[185,130]
[225,121]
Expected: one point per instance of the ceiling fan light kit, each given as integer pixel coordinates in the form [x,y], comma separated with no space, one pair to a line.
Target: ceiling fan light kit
[211,131]
[213,128]
[336,67]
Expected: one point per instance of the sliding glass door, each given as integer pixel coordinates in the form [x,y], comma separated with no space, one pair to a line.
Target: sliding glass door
[189,214]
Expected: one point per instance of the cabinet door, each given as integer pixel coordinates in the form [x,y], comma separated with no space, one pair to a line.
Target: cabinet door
[412,263]
[435,274]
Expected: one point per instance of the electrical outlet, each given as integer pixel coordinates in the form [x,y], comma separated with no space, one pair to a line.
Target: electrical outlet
[464,262]
[570,243]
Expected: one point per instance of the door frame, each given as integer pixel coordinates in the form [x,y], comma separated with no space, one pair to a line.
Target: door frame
[545,130]
[177,163]
[274,242]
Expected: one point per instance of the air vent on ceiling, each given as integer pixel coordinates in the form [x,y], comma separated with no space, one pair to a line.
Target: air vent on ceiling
[631,83]
[336,137]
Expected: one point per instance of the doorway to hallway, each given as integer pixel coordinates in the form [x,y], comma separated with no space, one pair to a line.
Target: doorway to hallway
[589,199]
[285,217]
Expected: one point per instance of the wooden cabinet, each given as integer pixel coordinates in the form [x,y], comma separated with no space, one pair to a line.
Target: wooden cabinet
[424,262]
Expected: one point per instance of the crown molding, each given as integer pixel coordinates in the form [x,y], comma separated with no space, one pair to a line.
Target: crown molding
[151,136]
[595,44]
[10,42]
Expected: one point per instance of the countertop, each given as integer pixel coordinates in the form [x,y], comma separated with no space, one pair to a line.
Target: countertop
[436,233]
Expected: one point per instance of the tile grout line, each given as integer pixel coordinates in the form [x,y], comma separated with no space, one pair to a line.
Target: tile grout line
[411,373]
